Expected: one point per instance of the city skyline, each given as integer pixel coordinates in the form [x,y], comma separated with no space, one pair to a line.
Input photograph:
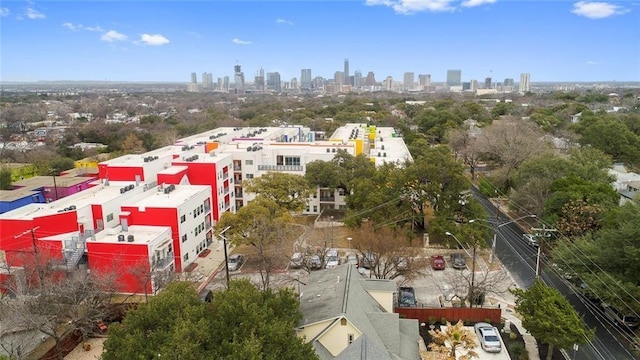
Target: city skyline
[167,40]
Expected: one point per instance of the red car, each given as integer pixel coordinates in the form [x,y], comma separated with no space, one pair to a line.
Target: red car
[438,262]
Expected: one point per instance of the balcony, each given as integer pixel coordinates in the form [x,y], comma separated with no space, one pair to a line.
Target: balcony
[226,205]
[238,194]
[280,168]
[237,168]
[225,176]
[226,190]
[327,199]
[162,264]
[207,207]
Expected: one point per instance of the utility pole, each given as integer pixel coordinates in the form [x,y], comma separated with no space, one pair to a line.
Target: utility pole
[473,274]
[226,259]
[544,230]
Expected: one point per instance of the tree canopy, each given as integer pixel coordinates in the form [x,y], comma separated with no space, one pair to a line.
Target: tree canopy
[288,191]
[550,318]
[240,323]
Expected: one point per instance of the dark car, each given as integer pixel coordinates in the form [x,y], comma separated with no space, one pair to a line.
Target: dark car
[438,263]
[458,261]
[315,263]
[407,297]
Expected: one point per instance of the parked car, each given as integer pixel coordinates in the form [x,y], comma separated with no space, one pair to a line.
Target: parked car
[438,263]
[488,336]
[368,260]
[331,259]
[315,263]
[458,261]
[297,260]
[235,262]
[407,297]
[531,240]
[621,319]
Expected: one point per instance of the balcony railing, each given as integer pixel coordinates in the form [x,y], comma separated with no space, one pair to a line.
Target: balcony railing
[225,176]
[226,190]
[280,168]
[237,168]
[163,263]
[327,198]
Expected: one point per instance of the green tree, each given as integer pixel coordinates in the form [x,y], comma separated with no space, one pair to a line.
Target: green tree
[289,191]
[550,318]
[5,179]
[240,323]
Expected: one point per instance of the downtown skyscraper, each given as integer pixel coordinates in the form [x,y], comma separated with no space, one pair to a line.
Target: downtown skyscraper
[305,79]
[454,77]
[524,83]
[345,74]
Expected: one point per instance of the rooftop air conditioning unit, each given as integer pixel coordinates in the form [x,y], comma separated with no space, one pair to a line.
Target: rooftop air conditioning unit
[130,238]
[120,238]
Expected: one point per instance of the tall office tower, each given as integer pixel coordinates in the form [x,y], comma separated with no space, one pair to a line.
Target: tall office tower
[238,78]
[225,86]
[305,79]
[345,74]
[220,84]
[424,80]
[194,78]
[474,85]
[388,83]
[318,83]
[524,83]
[487,83]
[407,83]
[338,78]
[357,79]
[193,85]
[454,77]
[273,82]
[207,80]
[294,83]
[508,82]
[370,79]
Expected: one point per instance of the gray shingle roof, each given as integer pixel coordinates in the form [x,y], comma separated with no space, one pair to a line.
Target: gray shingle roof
[342,292]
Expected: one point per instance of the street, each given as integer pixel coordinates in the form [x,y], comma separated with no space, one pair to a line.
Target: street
[520,260]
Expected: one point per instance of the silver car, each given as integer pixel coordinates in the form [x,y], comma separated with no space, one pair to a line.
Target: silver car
[489,337]
[235,262]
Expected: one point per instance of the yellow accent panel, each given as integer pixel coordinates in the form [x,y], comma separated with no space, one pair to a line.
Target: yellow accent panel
[359,146]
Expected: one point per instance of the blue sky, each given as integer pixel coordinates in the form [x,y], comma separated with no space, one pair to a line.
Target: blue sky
[168,40]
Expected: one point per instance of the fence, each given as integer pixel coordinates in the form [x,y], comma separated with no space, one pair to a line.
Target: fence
[452,314]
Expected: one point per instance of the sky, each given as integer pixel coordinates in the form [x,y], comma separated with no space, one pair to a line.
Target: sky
[552,40]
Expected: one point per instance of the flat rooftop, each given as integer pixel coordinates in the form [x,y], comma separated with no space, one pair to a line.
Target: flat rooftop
[142,234]
[174,199]
[95,195]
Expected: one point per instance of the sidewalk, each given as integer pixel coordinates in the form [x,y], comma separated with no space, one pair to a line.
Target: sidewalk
[507,303]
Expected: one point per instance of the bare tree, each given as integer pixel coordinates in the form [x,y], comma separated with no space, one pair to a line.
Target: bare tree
[465,145]
[471,289]
[509,143]
[388,253]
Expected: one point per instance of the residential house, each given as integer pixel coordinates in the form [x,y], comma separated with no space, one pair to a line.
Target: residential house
[349,316]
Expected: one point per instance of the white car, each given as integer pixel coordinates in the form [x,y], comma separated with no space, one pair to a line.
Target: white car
[235,262]
[489,337]
[331,259]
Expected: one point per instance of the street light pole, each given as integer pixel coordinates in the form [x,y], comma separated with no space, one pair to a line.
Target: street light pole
[226,259]
[473,265]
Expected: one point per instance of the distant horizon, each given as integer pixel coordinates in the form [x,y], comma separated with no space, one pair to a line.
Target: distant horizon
[554,41]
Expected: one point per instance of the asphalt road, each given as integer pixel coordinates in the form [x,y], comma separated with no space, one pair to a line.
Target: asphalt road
[520,260]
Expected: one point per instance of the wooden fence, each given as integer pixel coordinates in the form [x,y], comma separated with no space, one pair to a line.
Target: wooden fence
[451,314]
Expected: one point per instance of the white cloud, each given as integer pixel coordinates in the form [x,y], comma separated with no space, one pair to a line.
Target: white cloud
[414,6]
[240,42]
[591,62]
[113,36]
[472,3]
[77,27]
[4,12]
[34,14]
[596,10]
[283,21]
[154,39]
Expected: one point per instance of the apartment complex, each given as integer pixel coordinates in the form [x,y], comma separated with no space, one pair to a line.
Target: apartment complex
[153,213]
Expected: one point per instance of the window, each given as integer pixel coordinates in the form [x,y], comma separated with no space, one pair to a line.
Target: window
[249,176]
[315,208]
[291,160]
[248,162]
[183,218]
[184,237]
[109,217]
[186,257]
[350,337]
